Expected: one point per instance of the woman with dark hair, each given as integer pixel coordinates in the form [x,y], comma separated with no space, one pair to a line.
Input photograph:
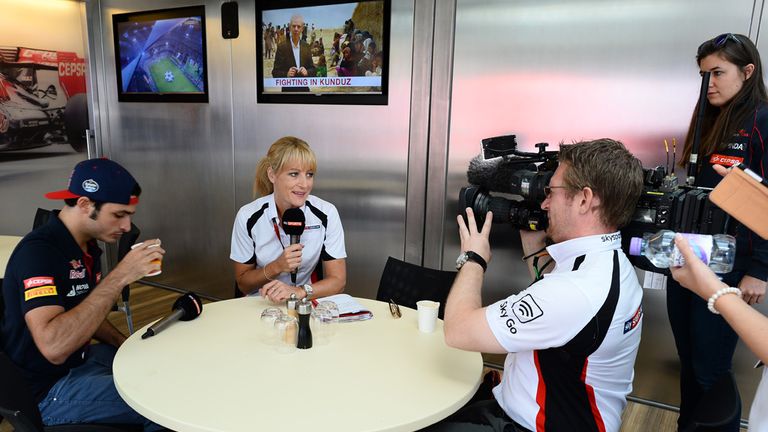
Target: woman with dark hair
[733,130]
[263,255]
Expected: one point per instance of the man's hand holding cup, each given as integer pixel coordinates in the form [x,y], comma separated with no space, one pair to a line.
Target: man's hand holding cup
[148,256]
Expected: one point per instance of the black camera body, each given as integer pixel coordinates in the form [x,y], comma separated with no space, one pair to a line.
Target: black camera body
[503,169]
[665,205]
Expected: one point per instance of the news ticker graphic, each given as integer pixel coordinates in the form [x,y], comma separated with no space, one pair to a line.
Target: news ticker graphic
[367,81]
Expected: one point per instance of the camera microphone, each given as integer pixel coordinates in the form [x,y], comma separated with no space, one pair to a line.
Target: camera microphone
[509,176]
[185,308]
[293,225]
[491,174]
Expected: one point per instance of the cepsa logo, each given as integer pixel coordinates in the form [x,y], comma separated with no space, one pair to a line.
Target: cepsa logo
[37,281]
[72,69]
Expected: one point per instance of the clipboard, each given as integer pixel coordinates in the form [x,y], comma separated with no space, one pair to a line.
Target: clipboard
[744,195]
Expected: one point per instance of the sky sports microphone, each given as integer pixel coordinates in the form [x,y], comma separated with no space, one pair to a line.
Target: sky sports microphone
[293,225]
[185,308]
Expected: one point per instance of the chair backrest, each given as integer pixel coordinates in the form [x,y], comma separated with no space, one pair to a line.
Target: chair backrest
[41,217]
[407,283]
[127,240]
[123,247]
[16,402]
[718,406]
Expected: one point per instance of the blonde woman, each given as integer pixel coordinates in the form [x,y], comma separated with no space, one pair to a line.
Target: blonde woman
[262,254]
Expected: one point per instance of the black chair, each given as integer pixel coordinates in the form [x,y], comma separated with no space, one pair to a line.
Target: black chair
[19,409]
[123,247]
[406,283]
[717,407]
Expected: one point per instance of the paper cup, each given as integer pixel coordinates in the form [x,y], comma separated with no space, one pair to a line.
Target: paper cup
[157,261]
[427,315]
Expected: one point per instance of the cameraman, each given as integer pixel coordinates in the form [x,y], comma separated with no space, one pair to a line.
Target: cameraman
[733,127]
[572,336]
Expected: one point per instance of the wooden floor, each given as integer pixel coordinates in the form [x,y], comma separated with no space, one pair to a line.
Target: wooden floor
[149,304]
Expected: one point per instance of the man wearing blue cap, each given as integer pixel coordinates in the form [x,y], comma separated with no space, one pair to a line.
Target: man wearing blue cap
[56,300]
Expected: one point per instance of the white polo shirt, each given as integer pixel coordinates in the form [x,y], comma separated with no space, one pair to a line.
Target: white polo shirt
[572,339]
[258,238]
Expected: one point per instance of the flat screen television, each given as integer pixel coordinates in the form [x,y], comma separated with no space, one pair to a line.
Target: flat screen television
[323,51]
[160,55]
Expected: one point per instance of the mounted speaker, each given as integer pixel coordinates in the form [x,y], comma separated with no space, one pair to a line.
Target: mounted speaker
[230,29]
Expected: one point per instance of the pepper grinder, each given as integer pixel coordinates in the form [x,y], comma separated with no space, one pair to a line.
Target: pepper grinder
[305,333]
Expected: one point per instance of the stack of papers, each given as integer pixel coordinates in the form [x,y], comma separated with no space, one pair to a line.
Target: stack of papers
[349,308]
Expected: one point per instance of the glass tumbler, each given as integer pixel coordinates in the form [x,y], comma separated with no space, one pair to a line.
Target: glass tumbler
[268,317]
[322,320]
[286,334]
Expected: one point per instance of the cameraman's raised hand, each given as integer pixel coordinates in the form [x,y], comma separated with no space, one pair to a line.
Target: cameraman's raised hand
[471,238]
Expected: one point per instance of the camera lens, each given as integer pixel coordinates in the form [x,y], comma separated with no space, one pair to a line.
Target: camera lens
[520,214]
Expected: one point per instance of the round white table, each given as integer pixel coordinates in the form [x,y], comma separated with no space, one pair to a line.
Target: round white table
[216,373]
[7,244]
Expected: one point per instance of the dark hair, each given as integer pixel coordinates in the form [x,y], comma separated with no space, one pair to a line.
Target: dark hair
[610,170]
[719,123]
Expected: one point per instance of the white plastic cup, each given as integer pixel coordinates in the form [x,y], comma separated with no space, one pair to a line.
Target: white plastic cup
[157,261]
[427,315]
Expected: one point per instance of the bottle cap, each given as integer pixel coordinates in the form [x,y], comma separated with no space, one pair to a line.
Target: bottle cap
[635,246]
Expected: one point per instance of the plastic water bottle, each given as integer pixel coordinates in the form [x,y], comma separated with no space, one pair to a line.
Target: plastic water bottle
[717,251]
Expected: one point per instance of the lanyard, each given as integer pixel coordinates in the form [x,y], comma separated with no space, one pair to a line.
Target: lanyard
[277,232]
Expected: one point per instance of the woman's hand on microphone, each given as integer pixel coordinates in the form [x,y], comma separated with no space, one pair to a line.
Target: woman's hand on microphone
[289,260]
[277,291]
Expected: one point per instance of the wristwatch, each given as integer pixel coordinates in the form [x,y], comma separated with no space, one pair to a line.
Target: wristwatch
[470,256]
[308,289]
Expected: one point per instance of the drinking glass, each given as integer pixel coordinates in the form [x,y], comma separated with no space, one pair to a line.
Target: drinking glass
[268,317]
[286,334]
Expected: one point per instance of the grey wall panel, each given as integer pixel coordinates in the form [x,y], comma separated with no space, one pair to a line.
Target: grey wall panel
[362,151]
[181,154]
[196,161]
[573,70]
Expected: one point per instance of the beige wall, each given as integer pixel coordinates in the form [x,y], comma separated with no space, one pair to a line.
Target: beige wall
[44,24]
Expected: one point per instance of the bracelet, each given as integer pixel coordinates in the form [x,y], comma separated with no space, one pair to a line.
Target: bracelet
[721,292]
[265,272]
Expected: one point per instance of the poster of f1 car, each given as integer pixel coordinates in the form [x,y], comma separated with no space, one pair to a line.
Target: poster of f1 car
[42,98]
[162,56]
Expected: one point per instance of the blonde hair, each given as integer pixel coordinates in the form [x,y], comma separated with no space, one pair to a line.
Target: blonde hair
[284,150]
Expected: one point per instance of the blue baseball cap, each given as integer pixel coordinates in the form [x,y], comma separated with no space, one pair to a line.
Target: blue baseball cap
[99,180]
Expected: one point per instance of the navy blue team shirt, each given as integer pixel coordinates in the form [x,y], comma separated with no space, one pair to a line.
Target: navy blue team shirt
[46,268]
[746,146]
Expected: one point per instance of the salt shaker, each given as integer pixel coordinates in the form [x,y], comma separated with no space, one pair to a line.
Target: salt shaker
[291,304]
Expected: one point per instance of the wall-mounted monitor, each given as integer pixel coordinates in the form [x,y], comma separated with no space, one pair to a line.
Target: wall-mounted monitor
[323,51]
[160,55]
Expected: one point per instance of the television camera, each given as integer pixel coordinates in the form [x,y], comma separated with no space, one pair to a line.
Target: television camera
[501,168]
